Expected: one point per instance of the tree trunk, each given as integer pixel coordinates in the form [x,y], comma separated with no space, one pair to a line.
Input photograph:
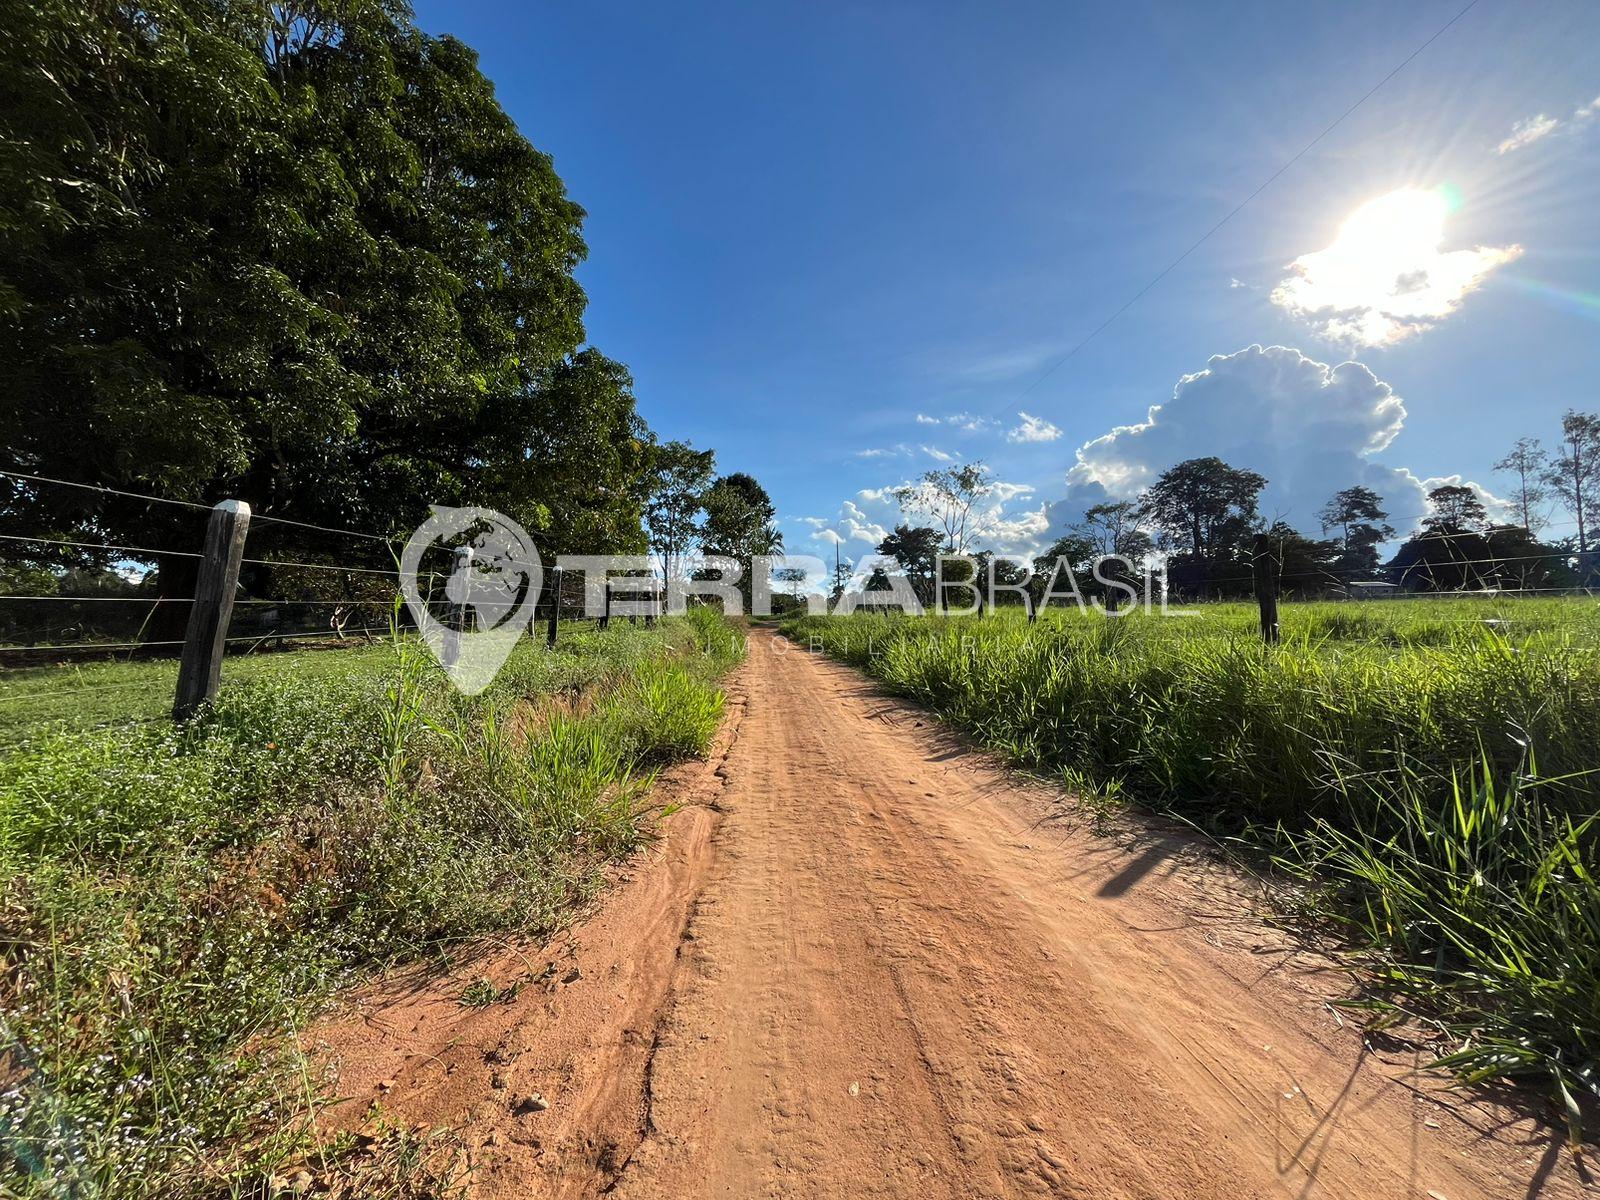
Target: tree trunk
[176,577]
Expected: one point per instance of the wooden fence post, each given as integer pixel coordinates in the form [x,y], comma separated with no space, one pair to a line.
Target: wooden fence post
[555,609]
[1266,573]
[605,613]
[200,669]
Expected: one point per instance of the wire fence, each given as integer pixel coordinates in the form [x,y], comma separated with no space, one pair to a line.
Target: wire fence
[76,598]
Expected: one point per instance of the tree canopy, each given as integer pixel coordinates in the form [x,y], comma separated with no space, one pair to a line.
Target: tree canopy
[298,254]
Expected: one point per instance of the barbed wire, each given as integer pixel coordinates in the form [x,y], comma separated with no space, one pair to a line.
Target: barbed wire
[388,539]
[139,550]
[110,491]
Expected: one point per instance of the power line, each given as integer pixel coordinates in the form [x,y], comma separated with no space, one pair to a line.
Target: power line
[1270,180]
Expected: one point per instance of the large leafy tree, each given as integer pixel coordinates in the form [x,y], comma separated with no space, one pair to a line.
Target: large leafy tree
[294,253]
[1454,509]
[574,462]
[1207,508]
[954,499]
[1571,474]
[739,523]
[680,476]
[1114,528]
[1528,461]
[916,548]
[1363,525]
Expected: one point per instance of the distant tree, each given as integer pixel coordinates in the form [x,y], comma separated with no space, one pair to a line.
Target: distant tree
[739,516]
[1455,509]
[951,498]
[916,549]
[1008,574]
[679,478]
[1074,549]
[739,524]
[792,577]
[843,572]
[1528,461]
[1114,529]
[1522,561]
[1208,508]
[1305,565]
[1357,513]
[794,580]
[1571,473]
[1500,557]
[1075,552]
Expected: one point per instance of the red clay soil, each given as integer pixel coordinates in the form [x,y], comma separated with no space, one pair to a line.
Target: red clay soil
[866,961]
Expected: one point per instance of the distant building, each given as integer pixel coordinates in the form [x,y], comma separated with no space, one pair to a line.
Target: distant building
[1374,589]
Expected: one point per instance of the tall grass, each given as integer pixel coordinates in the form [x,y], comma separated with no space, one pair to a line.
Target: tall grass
[176,901]
[1387,751]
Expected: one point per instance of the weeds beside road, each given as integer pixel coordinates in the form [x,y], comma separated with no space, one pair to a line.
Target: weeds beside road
[176,900]
[1426,767]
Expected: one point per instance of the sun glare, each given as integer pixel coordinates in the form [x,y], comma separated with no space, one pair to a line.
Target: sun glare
[1384,277]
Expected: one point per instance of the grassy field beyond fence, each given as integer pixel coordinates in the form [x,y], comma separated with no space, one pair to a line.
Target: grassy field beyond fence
[175,901]
[1427,767]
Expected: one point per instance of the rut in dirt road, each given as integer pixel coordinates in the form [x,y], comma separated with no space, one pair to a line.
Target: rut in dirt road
[891,974]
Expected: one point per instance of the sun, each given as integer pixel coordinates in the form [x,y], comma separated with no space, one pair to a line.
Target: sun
[1385,276]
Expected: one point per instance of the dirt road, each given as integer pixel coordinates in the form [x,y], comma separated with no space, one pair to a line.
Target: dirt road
[869,963]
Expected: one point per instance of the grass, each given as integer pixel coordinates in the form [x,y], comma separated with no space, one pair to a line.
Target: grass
[1427,766]
[175,902]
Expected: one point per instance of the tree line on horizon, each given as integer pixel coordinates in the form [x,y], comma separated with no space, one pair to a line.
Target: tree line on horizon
[297,253]
[1200,518]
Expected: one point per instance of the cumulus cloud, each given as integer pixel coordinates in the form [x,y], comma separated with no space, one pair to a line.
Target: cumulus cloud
[853,524]
[937,454]
[1006,529]
[1384,277]
[925,419]
[1311,428]
[1010,491]
[1033,429]
[1525,133]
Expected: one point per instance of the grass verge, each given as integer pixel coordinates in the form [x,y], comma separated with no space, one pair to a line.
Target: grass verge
[176,901]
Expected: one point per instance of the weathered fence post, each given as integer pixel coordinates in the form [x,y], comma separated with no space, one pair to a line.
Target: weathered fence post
[200,669]
[605,612]
[1266,573]
[555,609]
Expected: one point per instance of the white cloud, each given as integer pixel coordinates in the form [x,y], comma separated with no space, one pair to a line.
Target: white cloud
[964,421]
[1384,277]
[1010,491]
[1584,111]
[1525,133]
[937,454]
[853,524]
[1033,429]
[1309,427]
[867,518]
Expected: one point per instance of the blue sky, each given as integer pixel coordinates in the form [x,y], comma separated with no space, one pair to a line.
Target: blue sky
[810,224]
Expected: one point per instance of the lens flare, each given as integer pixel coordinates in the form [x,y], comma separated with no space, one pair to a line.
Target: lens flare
[1584,304]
